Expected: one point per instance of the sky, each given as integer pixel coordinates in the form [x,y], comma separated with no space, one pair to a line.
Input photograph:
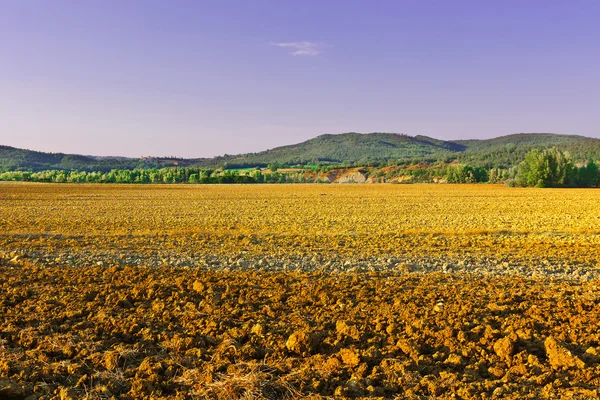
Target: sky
[204,78]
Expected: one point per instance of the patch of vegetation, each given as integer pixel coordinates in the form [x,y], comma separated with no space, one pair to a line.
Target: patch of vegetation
[554,168]
[344,150]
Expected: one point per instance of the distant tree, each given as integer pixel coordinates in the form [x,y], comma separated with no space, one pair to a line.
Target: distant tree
[545,168]
[257,176]
[60,177]
[168,177]
[110,177]
[194,178]
[465,174]
[495,175]
[587,175]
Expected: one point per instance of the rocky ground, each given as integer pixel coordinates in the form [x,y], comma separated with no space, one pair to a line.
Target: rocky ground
[164,332]
[575,256]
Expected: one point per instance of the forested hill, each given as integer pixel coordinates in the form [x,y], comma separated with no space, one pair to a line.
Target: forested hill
[13,159]
[508,151]
[353,148]
[356,148]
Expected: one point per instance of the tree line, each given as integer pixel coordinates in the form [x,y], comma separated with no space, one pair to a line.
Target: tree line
[148,176]
[540,168]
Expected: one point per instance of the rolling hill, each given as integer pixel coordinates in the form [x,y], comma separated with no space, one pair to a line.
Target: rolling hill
[347,147]
[352,147]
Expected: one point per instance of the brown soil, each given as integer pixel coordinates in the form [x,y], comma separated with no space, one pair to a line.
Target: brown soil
[298,291]
[134,333]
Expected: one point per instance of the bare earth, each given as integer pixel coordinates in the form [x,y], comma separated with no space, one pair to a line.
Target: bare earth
[298,291]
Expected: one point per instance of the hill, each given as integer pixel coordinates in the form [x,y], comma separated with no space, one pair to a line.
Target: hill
[19,159]
[13,159]
[354,148]
[510,150]
[351,147]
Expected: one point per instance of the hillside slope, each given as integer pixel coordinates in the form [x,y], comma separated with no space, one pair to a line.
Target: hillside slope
[352,147]
[19,159]
[507,151]
[347,147]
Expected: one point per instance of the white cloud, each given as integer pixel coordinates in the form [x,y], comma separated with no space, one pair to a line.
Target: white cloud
[310,49]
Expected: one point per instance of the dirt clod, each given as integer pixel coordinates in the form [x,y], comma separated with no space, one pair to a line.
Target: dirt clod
[560,356]
[302,342]
[505,347]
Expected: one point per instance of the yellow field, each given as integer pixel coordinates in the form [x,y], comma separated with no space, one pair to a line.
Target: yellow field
[422,227]
[296,209]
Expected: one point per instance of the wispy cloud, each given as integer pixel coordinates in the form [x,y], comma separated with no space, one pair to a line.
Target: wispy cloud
[310,49]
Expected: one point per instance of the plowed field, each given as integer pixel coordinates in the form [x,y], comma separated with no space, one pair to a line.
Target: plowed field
[298,291]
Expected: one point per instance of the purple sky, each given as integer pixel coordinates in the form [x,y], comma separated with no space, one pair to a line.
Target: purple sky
[201,78]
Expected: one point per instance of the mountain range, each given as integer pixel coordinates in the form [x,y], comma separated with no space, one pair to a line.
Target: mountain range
[352,148]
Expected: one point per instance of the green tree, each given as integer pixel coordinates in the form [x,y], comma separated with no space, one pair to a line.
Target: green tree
[545,168]
[168,177]
[194,178]
[465,174]
[588,174]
